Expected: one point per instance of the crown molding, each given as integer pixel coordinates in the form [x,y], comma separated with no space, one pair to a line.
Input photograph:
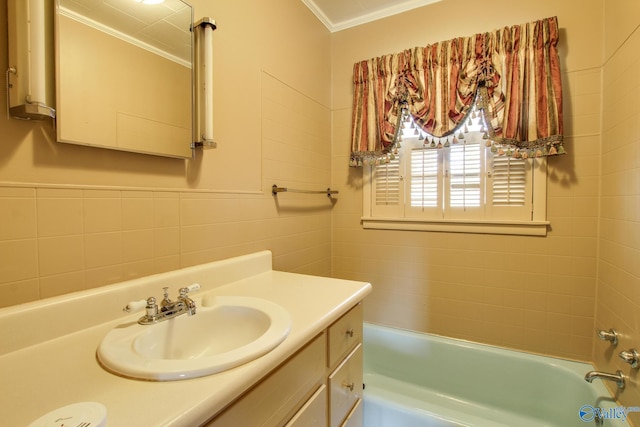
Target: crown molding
[338,24]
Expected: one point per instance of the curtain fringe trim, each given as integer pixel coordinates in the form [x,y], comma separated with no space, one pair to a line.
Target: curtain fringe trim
[547,147]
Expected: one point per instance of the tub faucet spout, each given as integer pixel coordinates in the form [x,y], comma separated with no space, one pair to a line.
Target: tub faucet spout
[617,378]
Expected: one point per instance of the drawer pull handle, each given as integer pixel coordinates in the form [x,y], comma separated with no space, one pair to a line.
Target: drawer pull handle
[348,385]
[350,333]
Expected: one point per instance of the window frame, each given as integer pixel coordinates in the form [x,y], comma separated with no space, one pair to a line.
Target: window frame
[396,218]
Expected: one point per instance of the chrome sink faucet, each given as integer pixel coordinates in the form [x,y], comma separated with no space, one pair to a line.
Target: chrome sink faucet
[168,309]
[618,377]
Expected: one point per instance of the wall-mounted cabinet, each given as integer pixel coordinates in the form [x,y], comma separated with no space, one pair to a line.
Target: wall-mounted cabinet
[124,76]
[116,75]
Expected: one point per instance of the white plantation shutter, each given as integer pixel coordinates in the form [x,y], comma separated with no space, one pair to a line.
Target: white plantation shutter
[425,178]
[510,189]
[509,180]
[465,175]
[459,187]
[387,185]
[387,177]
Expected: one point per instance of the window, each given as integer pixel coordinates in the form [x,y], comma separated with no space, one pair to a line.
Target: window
[455,184]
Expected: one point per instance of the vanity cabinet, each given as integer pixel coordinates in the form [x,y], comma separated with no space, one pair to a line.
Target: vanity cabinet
[313,413]
[345,369]
[319,386]
[282,393]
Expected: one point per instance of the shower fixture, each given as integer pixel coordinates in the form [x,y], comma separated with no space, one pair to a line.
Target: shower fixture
[610,335]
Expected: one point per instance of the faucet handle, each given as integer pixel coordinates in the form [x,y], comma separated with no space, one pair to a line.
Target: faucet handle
[191,288]
[610,335]
[134,306]
[631,356]
[188,302]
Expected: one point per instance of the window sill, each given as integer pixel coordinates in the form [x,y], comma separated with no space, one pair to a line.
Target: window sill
[521,228]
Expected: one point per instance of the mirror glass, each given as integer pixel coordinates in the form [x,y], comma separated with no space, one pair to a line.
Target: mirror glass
[124,75]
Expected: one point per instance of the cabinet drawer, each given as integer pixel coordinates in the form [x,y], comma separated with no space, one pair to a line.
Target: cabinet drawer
[281,393]
[344,334]
[345,387]
[356,416]
[313,413]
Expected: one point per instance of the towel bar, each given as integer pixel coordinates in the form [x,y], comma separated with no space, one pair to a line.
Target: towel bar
[275,190]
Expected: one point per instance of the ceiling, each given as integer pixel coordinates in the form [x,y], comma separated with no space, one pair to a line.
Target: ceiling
[163,28]
[338,15]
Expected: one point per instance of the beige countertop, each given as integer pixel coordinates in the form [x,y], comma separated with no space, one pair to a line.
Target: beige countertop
[47,375]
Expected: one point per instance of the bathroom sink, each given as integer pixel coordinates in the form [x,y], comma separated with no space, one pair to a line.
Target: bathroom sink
[225,332]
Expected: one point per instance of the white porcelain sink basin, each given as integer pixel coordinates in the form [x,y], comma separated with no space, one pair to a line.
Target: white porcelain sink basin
[225,333]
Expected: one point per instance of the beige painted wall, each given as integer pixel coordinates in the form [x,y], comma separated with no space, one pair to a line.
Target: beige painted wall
[618,298]
[530,293]
[74,217]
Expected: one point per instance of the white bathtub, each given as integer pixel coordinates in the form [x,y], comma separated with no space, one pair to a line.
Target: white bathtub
[413,379]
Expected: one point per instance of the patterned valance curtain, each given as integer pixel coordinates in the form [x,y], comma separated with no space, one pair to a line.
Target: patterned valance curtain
[512,74]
